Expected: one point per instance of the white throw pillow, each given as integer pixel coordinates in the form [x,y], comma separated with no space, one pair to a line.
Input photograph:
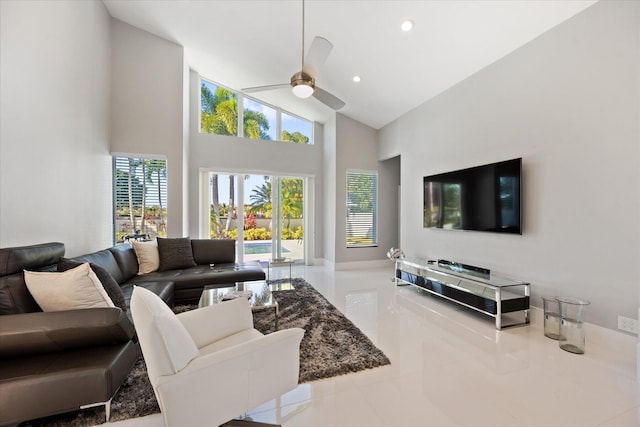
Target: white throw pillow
[67,290]
[148,256]
[166,345]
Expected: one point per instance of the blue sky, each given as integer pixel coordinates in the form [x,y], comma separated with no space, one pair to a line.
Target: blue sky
[254,181]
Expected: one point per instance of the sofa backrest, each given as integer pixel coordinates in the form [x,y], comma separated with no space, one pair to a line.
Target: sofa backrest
[32,257]
[14,295]
[213,251]
[104,259]
[126,258]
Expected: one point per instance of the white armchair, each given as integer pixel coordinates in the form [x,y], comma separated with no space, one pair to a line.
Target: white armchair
[209,365]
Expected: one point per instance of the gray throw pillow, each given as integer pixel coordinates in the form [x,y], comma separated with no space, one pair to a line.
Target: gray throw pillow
[108,282]
[175,253]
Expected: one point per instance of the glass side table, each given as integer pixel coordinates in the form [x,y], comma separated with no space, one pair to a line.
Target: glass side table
[277,262]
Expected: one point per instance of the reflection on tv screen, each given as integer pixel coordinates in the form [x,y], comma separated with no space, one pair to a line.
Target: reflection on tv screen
[482,198]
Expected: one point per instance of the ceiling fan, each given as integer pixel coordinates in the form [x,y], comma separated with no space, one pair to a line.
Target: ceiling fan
[303,83]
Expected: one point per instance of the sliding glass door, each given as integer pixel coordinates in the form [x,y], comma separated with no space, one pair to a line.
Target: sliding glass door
[223,210]
[268,223]
[288,224]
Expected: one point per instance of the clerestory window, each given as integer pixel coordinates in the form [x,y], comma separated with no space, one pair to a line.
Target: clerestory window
[296,129]
[220,108]
[259,120]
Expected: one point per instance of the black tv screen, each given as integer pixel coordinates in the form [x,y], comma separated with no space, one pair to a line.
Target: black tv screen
[481,198]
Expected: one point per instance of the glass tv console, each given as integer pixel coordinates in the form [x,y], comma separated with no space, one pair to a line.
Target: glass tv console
[473,287]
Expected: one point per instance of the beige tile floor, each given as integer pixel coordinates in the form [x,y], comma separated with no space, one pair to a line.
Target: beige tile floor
[451,368]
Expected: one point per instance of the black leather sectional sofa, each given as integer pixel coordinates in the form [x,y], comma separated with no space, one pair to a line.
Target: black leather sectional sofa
[53,362]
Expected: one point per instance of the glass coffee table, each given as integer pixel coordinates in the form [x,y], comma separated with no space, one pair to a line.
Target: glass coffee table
[261,294]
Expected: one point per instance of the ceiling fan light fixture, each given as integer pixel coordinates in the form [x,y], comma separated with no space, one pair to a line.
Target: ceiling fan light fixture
[302,90]
[302,85]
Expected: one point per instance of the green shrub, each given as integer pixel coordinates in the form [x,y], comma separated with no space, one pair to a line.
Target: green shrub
[257,234]
[287,234]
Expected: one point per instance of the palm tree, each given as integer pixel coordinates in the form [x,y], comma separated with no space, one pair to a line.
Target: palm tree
[255,125]
[261,199]
[130,190]
[159,169]
[291,193]
[219,111]
[219,115]
[143,214]
[232,191]
[215,204]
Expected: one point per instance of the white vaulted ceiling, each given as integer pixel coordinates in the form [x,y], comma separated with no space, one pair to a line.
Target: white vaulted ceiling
[246,43]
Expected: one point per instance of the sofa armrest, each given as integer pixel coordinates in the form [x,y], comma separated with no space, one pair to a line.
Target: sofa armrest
[43,332]
[217,387]
[212,323]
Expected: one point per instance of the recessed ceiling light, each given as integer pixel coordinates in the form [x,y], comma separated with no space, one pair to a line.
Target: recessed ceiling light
[407,25]
[356,79]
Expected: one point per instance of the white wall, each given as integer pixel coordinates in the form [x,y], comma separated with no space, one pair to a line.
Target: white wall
[328,205]
[147,108]
[568,103]
[357,148]
[55,166]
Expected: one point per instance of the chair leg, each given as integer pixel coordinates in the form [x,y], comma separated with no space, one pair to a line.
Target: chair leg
[107,407]
[247,423]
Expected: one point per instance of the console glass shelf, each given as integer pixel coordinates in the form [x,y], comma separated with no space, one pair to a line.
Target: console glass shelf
[472,287]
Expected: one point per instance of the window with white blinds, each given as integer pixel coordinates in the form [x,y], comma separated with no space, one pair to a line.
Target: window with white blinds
[362,208]
[140,198]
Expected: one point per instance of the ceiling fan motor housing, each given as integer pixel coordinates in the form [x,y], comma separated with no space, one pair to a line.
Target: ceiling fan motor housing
[301,78]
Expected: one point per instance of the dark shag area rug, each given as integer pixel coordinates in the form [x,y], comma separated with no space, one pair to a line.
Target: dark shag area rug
[332,346]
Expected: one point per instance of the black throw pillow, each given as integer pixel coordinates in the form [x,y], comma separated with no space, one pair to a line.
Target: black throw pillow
[175,253]
[108,282]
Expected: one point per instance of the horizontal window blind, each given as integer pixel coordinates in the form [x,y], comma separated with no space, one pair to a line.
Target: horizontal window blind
[140,198]
[362,209]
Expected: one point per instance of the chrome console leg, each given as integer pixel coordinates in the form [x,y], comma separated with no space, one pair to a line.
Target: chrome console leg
[499,309]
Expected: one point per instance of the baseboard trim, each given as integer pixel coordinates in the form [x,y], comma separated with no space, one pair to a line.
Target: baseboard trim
[359,265]
[354,265]
[627,346]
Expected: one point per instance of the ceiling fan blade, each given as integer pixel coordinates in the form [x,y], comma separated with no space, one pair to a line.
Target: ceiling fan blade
[328,99]
[316,56]
[263,88]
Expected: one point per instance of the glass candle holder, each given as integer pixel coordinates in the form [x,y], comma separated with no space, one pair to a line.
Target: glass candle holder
[572,324]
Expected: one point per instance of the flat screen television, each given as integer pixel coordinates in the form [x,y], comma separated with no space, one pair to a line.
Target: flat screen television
[481,198]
